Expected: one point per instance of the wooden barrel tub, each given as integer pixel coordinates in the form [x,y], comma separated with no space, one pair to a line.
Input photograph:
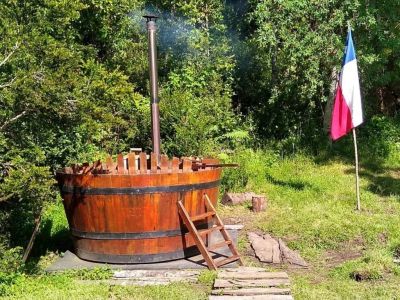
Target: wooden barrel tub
[126,211]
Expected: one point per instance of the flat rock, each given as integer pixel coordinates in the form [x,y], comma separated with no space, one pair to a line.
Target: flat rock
[291,256]
[266,248]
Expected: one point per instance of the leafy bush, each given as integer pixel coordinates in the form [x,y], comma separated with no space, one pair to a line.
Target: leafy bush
[380,140]
[252,170]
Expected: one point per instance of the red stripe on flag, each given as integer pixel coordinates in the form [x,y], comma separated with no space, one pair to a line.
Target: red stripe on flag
[341,116]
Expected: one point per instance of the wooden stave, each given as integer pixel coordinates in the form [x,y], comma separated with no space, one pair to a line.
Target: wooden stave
[147,250]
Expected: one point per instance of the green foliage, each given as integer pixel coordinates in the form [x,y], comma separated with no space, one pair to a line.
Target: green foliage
[311,206]
[252,170]
[291,55]
[380,139]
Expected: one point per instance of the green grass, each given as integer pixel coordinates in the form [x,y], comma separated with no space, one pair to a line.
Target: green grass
[311,205]
[64,286]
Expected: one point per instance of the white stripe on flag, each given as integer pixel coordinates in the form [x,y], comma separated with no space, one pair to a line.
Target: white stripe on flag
[351,91]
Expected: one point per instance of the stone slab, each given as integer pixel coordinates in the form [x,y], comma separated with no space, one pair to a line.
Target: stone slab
[69,261]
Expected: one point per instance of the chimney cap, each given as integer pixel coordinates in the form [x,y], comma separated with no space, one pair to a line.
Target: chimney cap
[150,18]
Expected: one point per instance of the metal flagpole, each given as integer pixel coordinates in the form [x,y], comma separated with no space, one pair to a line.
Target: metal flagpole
[357,177]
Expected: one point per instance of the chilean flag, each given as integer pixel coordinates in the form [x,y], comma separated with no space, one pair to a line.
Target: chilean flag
[347,111]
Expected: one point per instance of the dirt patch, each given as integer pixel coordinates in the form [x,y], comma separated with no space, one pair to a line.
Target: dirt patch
[347,251]
[383,238]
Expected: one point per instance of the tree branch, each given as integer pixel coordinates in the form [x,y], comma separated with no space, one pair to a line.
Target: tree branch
[8,83]
[16,46]
[8,197]
[7,123]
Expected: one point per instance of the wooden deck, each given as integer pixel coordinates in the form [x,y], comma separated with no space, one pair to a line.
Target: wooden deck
[247,283]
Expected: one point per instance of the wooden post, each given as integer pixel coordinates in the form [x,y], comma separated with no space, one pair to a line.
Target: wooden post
[33,237]
[258,203]
[357,177]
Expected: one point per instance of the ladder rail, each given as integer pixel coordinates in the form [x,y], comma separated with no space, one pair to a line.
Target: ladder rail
[223,231]
[198,240]
[198,235]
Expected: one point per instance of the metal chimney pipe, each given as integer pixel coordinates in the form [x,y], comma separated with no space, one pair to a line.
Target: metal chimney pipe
[155,111]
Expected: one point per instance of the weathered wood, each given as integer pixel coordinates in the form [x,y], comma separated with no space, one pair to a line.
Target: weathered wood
[110,165]
[97,167]
[253,297]
[187,165]
[132,163]
[259,203]
[143,162]
[175,164]
[227,260]
[251,291]
[164,163]
[32,239]
[227,283]
[151,274]
[236,198]
[226,274]
[153,162]
[114,219]
[120,162]
[250,283]
[85,168]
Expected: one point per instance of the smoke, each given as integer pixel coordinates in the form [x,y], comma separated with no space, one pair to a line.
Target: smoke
[173,31]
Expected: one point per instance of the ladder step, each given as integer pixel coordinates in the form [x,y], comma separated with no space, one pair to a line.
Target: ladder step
[227,260]
[219,245]
[209,230]
[202,216]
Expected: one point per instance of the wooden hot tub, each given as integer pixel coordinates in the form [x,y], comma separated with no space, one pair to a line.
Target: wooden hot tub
[126,212]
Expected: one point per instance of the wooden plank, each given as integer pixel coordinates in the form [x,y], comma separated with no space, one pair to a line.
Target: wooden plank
[252,291]
[153,162]
[110,165]
[202,216]
[223,274]
[227,260]
[243,269]
[254,297]
[218,245]
[97,166]
[226,283]
[120,163]
[74,168]
[164,164]
[187,165]
[204,232]
[157,273]
[175,164]
[143,162]
[132,162]
[85,167]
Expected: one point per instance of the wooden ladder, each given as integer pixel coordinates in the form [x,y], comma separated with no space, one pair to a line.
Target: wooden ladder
[199,234]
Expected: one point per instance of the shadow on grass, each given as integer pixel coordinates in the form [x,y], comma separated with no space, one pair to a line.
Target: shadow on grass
[46,241]
[372,167]
[296,185]
[380,182]
[383,185]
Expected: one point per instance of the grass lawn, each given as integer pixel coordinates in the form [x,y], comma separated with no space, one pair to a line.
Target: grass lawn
[311,206]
